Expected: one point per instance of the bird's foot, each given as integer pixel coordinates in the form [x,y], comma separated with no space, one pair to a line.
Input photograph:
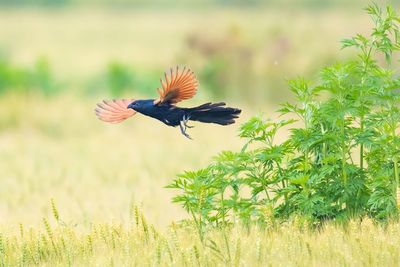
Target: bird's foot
[188,126]
[185,121]
[182,126]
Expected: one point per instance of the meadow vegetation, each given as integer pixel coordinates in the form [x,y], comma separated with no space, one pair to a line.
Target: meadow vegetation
[313,184]
[359,243]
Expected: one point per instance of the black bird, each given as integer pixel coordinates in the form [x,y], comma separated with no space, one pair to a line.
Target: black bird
[178,85]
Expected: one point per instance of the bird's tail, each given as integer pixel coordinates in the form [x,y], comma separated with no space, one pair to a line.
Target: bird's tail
[214,113]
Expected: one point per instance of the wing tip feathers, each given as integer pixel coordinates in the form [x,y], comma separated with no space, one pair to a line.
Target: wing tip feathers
[114,111]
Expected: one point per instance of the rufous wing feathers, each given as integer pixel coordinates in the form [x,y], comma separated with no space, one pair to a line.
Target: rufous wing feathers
[177,86]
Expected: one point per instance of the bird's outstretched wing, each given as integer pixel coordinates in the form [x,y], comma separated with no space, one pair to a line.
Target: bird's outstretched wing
[178,85]
[114,111]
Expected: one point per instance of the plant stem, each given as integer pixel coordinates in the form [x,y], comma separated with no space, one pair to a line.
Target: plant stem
[306,160]
[323,145]
[198,226]
[344,174]
[366,61]
[396,176]
[262,175]
[266,192]
[283,181]
[224,227]
[362,145]
[200,217]
[396,170]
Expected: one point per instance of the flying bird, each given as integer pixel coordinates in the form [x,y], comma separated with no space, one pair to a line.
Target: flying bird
[176,86]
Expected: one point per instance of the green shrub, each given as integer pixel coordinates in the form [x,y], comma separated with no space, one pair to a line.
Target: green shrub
[119,79]
[24,80]
[342,162]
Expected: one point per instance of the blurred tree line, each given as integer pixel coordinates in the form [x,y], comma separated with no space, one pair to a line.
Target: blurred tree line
[25,79]
[183,3]
[228,64]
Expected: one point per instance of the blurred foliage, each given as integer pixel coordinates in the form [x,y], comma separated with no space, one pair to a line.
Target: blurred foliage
[232,66]
[229,66]
[181,3]
[120,79]
[39,78]
[116,80]
[232,62]
[231,71]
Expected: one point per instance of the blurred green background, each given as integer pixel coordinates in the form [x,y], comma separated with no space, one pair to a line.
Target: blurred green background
[58,58]
[245,50]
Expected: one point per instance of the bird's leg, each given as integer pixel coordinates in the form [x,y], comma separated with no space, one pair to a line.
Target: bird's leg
[188,126]
[185,120]
[183,129]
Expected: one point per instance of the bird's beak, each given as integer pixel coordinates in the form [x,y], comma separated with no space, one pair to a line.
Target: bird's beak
[131,105]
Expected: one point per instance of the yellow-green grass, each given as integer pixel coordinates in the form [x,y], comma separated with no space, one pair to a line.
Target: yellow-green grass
[138,243]
[55,152]
[57,148]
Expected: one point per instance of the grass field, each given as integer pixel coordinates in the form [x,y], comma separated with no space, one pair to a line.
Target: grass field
[58,152]
[94,171]
[107,181]
[140,244]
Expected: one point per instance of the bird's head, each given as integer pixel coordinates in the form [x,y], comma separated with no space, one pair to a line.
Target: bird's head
[139,105]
